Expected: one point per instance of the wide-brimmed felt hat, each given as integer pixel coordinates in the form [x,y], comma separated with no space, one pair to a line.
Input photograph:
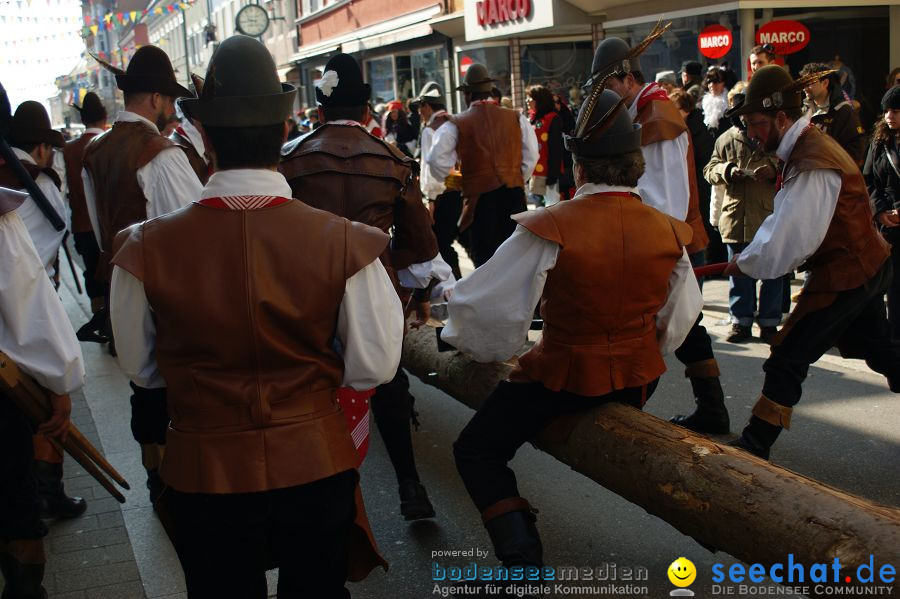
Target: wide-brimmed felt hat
[604,127]
[31,124]
[614,56]
[692,67]
[149,70]
[431,93]
[772,89]
[91,109]
[241,88]
[342,83]
[477,79]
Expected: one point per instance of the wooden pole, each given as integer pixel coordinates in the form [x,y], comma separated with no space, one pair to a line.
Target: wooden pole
[721,496]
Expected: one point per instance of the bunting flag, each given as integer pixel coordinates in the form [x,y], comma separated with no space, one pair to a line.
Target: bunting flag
[133,15]
[119,19]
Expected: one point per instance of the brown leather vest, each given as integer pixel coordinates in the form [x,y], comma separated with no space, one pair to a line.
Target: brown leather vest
[661,121]
[112,161]
[852,251]
[601,299]
[197,162]
[347,171]
[489,148]
[248,359]
[9,179]
[74,158]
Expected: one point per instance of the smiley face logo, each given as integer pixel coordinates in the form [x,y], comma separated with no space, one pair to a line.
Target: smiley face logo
[682,572]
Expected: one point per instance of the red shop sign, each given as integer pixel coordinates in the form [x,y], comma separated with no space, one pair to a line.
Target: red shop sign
[787,36]
[464,65]
[490,12]
[715,41]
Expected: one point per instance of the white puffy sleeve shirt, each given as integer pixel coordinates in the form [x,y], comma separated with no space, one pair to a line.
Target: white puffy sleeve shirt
[35,331]
[46,239]
[492,308]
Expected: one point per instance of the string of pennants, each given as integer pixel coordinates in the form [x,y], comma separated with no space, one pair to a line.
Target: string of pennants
[120,19]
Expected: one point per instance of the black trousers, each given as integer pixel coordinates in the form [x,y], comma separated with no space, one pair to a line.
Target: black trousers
[697,345]
[855,323]
[492,224]
[447,210]
[512,415]
[19,504]
[392,407]
[227,542]
[893,292]
[86,246]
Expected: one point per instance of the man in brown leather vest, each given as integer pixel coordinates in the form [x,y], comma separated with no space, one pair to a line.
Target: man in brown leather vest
[341,168]
[93,116]
[260,465]
[822,224]
[604,336]
[668,184]
[36,334]
[132,173]
[496,149]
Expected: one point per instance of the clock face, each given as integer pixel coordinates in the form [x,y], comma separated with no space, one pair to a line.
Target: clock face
[252,20]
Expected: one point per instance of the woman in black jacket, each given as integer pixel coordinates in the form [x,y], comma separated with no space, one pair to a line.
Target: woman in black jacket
[882,173]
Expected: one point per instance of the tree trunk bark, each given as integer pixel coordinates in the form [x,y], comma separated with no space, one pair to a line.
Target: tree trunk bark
[721,496]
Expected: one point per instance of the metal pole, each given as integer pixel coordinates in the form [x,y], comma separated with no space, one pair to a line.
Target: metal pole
[187,58]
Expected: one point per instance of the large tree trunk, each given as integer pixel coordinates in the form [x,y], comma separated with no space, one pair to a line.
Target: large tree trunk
[721,496]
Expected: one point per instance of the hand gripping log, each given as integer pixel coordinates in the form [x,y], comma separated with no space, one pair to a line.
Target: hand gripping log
[32,399]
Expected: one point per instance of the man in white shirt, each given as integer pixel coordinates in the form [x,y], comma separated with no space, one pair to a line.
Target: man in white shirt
[617,292]
[668,184]
[445,204]
[251,335]
[823,224]
[496,149]
[33,142]
[36,334]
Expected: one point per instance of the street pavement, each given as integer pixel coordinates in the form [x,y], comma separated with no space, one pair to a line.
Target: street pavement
[845,433]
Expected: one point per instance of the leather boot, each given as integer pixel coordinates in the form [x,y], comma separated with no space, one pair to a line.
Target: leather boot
[54,501]
[414,502]
[22,581]
[711,415]
[757,437]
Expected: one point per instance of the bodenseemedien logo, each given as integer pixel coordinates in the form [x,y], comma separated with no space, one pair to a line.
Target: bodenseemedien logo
[682,574]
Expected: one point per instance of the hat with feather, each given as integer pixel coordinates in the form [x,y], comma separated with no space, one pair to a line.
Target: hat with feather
[342,83]
[614,56]
[91,109]
[772,89]
[241,88]
[149,70]
[604,127]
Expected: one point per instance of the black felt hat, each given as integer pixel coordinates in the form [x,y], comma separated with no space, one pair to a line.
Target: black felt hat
[692,67]
[149,70]
[91,109]
[342,83]
[614,56]
[431,94]
[241,88]
[31,124]
[604,127]
[891,99]
[773,89]
[477,79]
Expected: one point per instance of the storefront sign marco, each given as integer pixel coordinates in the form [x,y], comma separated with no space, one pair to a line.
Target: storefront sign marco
[489,12]
[787,36]
[499,18]
[715,41]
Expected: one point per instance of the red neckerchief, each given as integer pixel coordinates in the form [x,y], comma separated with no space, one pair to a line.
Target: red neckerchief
[650,93]
[243,202]
[779,180]
[488,101]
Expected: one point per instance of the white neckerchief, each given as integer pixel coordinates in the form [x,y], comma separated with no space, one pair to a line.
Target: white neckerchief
[592,188]
[126,116]
[790,138]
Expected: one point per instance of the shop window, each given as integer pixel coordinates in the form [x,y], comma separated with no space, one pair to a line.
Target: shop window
[562,67]
[496,59]
[679,43]
[427,65]
[404,77]
[380,75]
